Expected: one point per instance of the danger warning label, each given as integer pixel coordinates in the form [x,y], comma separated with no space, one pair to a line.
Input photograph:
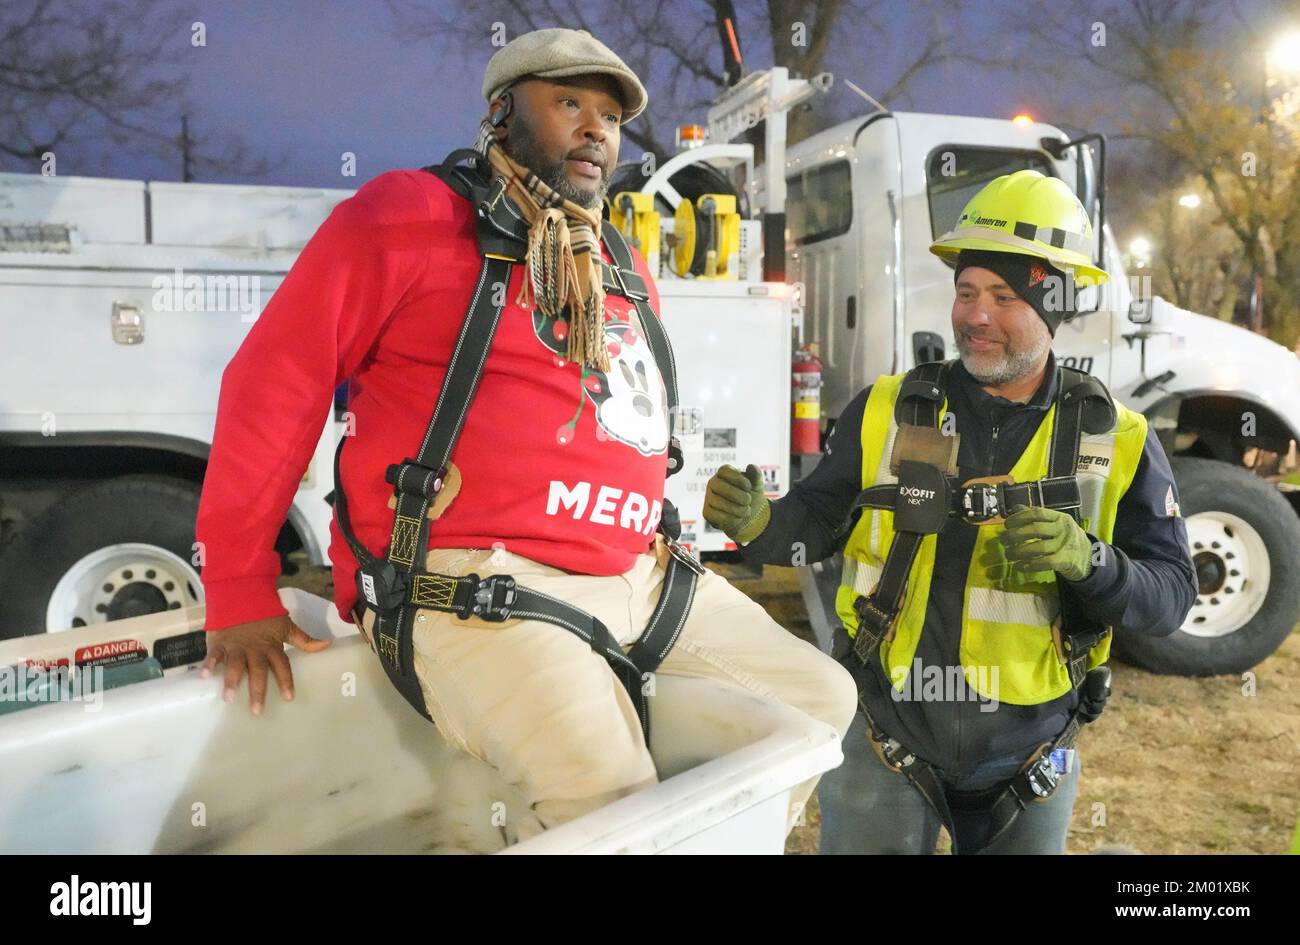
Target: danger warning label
[112,653]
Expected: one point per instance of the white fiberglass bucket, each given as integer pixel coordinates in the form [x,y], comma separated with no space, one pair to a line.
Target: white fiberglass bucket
[163,765]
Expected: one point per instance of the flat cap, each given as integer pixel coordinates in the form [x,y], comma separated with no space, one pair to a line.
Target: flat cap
[556,53]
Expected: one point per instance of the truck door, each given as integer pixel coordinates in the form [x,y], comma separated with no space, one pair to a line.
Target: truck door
[953,174]
[840,245]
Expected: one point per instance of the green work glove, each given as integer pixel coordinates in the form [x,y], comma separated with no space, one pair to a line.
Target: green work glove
[1046,540]
[734,502]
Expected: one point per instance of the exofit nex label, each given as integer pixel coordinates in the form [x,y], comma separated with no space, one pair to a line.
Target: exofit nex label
[915,495]
[102,899]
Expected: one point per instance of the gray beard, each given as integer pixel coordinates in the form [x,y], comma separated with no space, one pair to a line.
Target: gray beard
[1013,365]
[522,146]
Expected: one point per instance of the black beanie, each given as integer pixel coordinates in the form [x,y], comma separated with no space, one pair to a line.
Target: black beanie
[1027,276]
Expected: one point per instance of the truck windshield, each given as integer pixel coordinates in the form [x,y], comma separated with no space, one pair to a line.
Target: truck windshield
[819,203]
[955,174]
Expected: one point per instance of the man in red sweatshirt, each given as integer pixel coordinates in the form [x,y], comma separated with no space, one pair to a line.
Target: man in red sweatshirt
[559,468]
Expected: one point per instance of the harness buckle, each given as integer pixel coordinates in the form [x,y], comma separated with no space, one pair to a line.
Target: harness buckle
[1042,776]
[630,284]
[680,552]
[412,478]
[617,273]
[874,625]
[895,755]
[982,501]
[891,751]
[491,599]
[676,458]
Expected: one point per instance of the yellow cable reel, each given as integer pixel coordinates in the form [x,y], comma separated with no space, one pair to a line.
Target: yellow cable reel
[706,237]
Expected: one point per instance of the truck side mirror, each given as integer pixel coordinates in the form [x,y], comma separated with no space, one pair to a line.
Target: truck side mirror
[1088,186]
[1139,311]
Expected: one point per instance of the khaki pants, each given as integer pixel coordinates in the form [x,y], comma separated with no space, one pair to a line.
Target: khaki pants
[535,702]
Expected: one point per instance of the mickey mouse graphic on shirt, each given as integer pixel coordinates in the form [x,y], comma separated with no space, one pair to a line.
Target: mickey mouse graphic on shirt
[630,400]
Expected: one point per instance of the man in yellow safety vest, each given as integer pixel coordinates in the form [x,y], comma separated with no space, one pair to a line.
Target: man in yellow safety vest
[979,645]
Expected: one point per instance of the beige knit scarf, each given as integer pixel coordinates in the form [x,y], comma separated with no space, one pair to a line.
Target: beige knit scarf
[562,266]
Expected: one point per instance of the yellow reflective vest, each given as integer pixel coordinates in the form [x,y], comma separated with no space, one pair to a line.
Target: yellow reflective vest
[1008,617]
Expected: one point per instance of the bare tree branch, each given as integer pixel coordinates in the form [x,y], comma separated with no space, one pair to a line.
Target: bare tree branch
[81,78]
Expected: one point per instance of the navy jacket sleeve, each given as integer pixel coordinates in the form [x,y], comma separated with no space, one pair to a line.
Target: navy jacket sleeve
[1146,583]
[808,523]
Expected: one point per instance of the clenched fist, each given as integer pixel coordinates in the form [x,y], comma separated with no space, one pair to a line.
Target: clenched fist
[1046,540]
[734,502]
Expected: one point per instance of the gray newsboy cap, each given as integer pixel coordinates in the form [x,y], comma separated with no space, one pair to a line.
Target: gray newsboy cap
[556,53]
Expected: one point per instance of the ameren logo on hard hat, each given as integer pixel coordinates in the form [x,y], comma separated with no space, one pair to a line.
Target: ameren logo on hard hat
[981,221]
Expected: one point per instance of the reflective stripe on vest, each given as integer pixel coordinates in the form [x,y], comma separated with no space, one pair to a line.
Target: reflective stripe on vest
[1007,617]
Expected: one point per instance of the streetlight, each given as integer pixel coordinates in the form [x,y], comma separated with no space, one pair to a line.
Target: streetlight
[1140,250]
[1190,201]
[1282,67]
[1284,54]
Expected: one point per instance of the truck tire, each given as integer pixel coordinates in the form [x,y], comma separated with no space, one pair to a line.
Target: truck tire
[119,548]
[1244,537]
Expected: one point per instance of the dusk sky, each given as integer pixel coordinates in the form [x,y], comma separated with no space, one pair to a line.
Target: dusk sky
[309,79]
[302,81]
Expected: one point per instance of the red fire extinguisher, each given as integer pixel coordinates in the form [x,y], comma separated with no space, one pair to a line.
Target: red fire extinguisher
[805,390]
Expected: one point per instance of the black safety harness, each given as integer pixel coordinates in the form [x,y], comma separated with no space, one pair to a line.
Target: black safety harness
[924,499]
[396,586]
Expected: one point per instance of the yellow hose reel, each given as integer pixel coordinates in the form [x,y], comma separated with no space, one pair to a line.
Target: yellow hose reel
[706,236]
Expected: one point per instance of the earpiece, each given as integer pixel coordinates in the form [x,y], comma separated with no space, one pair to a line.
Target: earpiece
[498,117]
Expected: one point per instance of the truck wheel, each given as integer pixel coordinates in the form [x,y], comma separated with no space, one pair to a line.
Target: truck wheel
[120,548]
[1244,537]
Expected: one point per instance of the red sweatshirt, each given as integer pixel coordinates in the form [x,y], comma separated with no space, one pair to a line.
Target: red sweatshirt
[559,464]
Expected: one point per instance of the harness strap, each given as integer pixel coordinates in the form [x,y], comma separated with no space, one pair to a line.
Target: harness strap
[975,501]
[919,773]
[1083,405]
[919,397]
[416,483]
[878,610]
[497,597]
[668,619]
[922,393]
[1036,780]
[621,278]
